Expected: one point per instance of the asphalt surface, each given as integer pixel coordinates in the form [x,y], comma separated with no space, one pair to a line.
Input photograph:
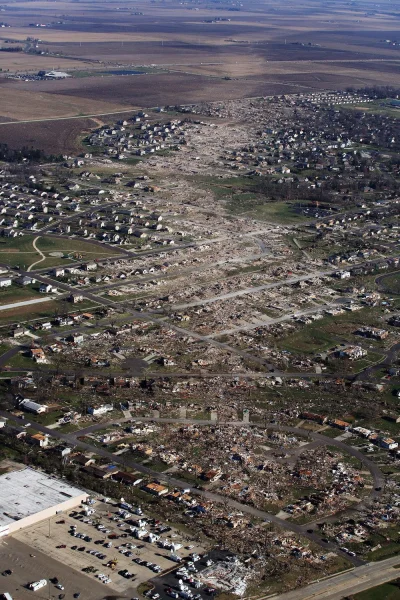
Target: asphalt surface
[16,556]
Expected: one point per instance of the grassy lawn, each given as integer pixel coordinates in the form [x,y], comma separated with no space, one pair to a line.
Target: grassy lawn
[241,195]
[388,539]
[379,107]
[20,251]
[312,338]
[255,206]
[387,551]
[386,591]
[331,331]
[16,293]
[48,418]
[391,283]
[32,311]
[331,432]
[19,361]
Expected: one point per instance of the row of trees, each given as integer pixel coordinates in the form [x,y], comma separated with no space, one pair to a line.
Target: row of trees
[13,155]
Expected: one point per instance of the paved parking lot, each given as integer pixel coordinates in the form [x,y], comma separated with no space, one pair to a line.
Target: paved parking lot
[16,555]
[166,586]
[48,537]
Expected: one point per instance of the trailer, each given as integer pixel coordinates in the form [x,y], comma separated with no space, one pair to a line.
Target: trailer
[37,585]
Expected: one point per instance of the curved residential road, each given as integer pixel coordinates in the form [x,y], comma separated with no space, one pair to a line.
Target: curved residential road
[39,251]
[321,440]
[179,483]
[390,359]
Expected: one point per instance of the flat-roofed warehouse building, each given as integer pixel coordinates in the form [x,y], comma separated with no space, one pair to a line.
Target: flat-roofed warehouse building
[29,496]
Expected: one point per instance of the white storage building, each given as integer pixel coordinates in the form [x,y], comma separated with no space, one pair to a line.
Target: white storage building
[29,496]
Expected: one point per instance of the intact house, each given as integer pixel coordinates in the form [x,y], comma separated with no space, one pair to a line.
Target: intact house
[99,472]
[100,410]
[90,266]
[84,461]
[75,338]
[45,288]
[5,282]
[340,424]
[75,298]
[25,280]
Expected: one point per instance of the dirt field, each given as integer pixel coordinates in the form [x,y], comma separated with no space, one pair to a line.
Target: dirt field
[19,61]
[29,103]
[207,54]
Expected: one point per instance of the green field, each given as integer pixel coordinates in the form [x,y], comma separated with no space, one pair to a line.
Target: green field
[391,283]
[386,591]
[329,331]
[16,293]
[378,107]
[32,311]
[242,196]
[19,252]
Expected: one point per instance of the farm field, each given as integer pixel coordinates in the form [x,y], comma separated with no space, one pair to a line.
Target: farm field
[256,50]
[30,104]
[19,61]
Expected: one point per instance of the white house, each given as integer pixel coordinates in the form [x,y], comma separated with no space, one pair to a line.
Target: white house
[100,410]
[58,272]
[91,266]
[5,282]
[45,288]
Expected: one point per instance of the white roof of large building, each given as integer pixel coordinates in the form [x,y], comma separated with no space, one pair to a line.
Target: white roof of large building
[26,492]
[57,74]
